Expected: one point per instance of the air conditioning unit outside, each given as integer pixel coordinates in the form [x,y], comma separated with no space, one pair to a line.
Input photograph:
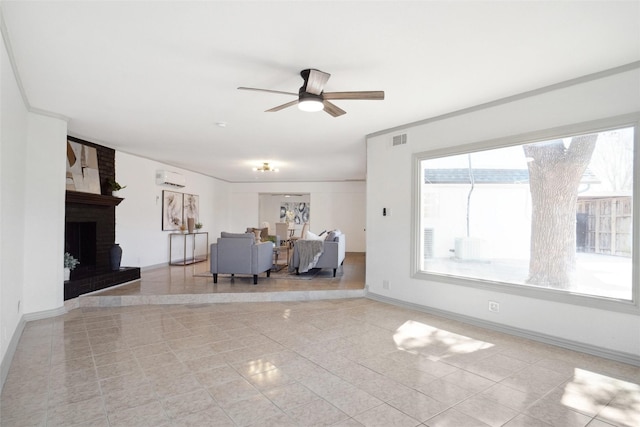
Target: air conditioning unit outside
[428,243]
[171,179]
[471,249]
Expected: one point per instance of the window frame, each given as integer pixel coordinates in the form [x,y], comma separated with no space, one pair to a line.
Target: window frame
[612,304]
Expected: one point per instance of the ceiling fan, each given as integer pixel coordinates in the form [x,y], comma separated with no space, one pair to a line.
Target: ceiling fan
[311,96]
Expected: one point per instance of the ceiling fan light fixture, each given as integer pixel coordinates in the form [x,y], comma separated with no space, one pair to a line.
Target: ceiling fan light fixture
[311,105]
[309,102]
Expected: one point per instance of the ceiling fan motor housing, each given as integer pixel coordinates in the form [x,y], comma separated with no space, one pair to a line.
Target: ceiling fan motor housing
[306,96]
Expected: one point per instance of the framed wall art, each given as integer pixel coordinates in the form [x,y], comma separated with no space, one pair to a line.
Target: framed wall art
[82,168]
[172,207]
[191,207]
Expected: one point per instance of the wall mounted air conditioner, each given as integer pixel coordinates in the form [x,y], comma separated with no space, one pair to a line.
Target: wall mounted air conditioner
[171,179]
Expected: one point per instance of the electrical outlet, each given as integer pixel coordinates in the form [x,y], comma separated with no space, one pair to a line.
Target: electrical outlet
[494,306]
[385,284]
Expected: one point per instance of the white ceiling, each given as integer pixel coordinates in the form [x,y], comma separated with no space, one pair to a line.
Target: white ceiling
[153,78]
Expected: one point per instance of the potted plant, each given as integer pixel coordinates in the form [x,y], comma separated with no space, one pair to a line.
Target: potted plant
[69,264]
[114,186]
[198,226]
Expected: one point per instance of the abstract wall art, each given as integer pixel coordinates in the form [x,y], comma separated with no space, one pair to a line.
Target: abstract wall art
[178,208]
[191,207]
[296,212]
[172,207]
[82,168]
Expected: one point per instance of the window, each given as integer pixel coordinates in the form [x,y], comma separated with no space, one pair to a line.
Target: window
[551,216]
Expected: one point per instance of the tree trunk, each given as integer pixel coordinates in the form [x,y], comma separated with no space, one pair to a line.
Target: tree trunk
[554,176]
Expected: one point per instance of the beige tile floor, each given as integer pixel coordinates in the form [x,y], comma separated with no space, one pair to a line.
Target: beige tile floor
[341,362]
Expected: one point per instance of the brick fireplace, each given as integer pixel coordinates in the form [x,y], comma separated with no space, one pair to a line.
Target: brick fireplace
[90,230]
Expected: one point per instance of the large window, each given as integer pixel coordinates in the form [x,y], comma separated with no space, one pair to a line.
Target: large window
[551,216]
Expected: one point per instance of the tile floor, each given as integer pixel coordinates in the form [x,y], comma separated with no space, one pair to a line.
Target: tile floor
[341,362]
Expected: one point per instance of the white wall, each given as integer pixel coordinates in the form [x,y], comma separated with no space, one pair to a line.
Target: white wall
[44,213]
[139,215]
[506,231]
[13,151]
[32,177]
[389,184]
[333,205]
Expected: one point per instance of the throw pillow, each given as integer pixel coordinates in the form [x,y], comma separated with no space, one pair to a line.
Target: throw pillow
[312,236]
[332,236]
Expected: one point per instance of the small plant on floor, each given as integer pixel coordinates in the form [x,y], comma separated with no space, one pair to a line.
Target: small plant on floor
[69,261]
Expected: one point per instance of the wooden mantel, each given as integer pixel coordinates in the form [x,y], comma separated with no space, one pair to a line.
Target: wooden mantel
[91,199]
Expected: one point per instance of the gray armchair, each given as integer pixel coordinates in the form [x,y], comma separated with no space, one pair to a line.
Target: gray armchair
[238,253]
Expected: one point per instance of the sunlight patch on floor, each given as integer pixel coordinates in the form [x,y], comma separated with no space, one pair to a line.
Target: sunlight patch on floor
[611,399]
[414,336]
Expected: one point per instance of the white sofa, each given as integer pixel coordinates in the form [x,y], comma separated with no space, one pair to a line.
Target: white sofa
[332,255]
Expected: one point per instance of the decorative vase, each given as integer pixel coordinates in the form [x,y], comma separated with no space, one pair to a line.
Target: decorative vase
[190,223]
[115,254]
[67,274]
[115,193]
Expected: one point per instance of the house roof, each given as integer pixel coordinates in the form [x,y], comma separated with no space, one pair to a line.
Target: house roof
[159,79]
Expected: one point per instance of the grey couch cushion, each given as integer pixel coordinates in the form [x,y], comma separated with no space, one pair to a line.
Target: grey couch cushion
[238,235]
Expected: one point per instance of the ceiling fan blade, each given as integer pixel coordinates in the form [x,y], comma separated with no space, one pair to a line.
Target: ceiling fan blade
[314,80]
[282,107]
[267,90]
[333,109]
[368,95]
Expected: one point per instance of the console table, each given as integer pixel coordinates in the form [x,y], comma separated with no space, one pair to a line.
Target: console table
[188,248]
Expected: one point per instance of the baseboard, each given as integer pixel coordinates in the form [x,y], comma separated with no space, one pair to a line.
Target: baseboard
[154,266]
[618,356]
[44,314]
[17,333]
[11,350]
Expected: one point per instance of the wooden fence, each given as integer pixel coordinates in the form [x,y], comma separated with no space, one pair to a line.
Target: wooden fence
[604,226]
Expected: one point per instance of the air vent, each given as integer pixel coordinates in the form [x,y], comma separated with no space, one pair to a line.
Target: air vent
[400,139]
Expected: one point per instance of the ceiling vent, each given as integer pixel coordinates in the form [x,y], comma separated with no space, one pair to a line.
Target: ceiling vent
[400,139]
[171,179]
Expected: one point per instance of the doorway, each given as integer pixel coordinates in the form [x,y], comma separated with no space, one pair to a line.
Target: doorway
[278,207]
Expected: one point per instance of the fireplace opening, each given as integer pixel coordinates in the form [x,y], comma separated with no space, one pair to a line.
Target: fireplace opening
[80,241]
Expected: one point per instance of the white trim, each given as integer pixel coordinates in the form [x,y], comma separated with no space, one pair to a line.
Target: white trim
[216,298]
[593,301]
[524,95]
[16,75]
[11,350]
[619,356]
[39,315]
[154,266]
